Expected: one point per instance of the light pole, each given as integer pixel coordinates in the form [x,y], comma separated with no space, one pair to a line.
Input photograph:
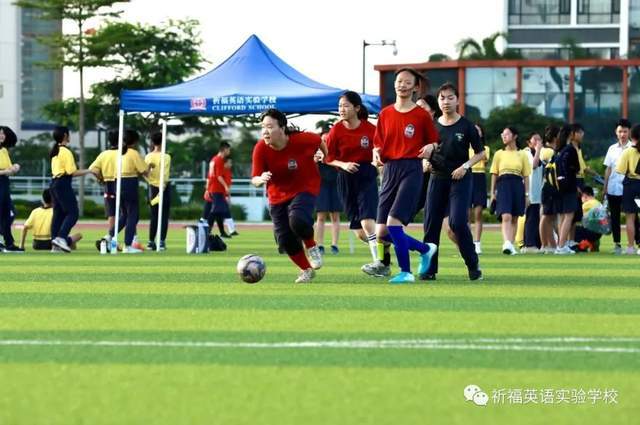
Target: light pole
[365,44]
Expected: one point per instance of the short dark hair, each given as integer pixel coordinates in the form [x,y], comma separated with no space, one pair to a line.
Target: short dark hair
[533,133]
[431,100]
[59,132]
[448,86]
[550,133]
[623,122]
[224,145]
[635,135]
[513,130]
[46,196]
[575,127]
[131,137]
[156,138]
[281,118]
[587,190]
[10,138]
[416,75]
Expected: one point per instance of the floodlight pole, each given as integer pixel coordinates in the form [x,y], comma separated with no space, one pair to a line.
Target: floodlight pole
[366,44]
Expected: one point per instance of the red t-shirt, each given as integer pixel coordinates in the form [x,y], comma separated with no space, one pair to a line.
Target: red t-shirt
[293,169]
[402,134]
[226,175]
[216,169]
[351,145]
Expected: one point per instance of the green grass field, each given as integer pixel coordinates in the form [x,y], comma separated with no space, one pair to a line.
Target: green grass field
[172,338]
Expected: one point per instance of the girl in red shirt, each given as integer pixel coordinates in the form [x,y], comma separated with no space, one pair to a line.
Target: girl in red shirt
[284,160]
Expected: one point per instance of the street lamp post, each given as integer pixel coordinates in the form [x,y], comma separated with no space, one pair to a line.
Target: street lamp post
[366,44]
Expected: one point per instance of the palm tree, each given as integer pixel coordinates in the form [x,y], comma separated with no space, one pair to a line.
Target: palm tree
[468,48]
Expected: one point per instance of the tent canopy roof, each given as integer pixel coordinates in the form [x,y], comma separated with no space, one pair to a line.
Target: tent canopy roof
[251,80]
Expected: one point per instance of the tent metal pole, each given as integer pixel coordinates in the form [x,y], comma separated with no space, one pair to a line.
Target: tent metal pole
[161,184]
[118,182]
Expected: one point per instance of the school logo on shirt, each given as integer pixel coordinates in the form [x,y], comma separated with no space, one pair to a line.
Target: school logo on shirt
[409,131]
[459,137]
[364,142]
[292,164]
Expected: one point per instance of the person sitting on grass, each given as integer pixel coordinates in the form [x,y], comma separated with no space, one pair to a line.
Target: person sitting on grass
[40,221]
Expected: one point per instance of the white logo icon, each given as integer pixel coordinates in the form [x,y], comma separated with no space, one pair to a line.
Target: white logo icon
[409,131]
[292,164]
[364,142]
[474,393]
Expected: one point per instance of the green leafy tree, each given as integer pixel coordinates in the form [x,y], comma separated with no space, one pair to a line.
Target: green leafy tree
[438,57]
[525,118]
[486,49]
[70,50]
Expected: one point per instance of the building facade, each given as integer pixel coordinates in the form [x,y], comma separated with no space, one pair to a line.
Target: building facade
[540,29]
[25,87]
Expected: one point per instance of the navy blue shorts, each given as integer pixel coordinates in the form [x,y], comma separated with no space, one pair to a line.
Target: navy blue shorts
[567,202]
[359,193]
[110,199]
[220,205]
[401,185]
[479,191]
[549,197]
[299,207]
[328,199]
[510,195]
[630,192]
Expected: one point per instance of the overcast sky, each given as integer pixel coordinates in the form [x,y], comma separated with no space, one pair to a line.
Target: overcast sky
[323,39]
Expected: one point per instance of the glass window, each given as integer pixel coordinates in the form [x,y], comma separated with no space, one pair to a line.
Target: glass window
[489,88]
[634,93]
[598,11]
[547,90]
[533,12]
[598,105]
[634,14]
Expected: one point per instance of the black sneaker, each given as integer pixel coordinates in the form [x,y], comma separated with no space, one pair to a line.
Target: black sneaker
[427,276]
[12,249]
[475,274]
[235,233]
[225,235]
[163,246]
[151,245]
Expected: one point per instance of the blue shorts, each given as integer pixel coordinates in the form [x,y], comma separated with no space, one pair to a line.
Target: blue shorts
[328,199]
[567,202]
[630,192]
[359,193]
[110,199]
[549,197]
[510,195]
[401,185]
[220,205]
[479,191]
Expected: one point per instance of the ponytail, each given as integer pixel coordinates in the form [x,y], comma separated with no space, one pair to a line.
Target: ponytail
[59,134]
[355,99]
[563,137]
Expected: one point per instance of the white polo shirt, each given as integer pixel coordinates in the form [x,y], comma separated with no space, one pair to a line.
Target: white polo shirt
[614,186]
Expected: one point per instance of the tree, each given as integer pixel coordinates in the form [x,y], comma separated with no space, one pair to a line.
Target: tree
[525,118]
[70,50]
[438,57]
[468,48]
[575,51]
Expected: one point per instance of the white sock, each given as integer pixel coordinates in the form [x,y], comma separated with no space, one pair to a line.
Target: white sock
[373,246]
[231,225]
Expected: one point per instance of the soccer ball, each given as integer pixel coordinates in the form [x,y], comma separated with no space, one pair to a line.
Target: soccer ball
[251,268]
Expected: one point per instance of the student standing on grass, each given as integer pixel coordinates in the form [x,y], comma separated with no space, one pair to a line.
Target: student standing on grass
[613,182]
[451,181]
[153,160]
[65,204]
[404,135]
[284,160]
[228,179]
[549,194]
[40,221]
[350,149]
[531,224]
[510,172]
[328,203]
[217,208]
[479,190]
[8,139]
[133,166]
[629,166]
[567,166]
[105,168]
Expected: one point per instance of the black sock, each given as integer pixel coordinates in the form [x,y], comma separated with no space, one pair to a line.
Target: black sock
[386,260]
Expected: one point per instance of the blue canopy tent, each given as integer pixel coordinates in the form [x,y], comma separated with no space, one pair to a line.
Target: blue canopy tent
[250,81]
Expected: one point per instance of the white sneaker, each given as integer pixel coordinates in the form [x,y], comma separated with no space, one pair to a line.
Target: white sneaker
[548,250]
[315,257]
[376,269]
[478,246]
[131,250]
[306,276]
[56,249]
[565,250]
[529,250]
[630,251]
[61,243]
[508,248]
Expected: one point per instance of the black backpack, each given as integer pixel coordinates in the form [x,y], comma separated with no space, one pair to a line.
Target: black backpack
[216,243]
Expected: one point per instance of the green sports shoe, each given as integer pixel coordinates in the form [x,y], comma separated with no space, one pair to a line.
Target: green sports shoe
[403,277]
